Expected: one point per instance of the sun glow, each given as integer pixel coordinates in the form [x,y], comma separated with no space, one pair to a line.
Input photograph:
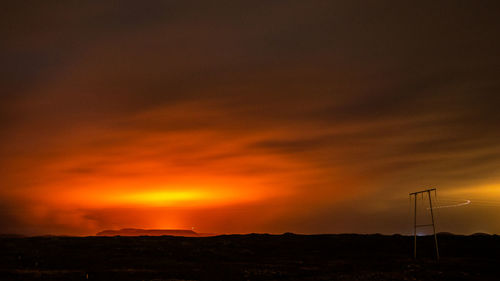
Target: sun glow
[179,197]
[164,197]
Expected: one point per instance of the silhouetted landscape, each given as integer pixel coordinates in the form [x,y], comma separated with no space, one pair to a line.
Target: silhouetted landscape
[249,257]
[200,122]
[148,232]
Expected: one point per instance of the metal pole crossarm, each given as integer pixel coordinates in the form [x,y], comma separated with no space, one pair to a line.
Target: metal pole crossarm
[422,191]
[423,225]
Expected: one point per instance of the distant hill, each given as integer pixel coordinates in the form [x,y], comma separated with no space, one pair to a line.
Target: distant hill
[480,234]
[148,232]
[445,234]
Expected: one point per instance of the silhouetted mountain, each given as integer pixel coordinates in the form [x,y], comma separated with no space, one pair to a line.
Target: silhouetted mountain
[480,234]
[148,232]
[445,234]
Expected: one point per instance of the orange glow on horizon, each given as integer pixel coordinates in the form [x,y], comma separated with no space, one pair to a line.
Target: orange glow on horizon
[157,197]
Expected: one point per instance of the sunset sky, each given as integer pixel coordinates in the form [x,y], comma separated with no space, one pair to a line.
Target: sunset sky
[248,116]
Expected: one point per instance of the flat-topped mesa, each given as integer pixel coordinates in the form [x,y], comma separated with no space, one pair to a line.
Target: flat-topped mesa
[148,232]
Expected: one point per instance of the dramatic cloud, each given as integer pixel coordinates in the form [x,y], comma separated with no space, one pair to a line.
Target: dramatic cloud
[305,116]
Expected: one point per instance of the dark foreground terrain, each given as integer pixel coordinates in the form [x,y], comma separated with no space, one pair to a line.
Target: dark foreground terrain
[249,257]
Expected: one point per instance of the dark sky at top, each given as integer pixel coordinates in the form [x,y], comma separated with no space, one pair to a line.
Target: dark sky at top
[326,114]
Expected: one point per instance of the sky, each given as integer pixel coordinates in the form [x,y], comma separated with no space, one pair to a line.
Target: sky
[248,116]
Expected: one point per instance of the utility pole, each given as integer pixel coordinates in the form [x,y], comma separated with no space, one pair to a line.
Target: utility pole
[415,225]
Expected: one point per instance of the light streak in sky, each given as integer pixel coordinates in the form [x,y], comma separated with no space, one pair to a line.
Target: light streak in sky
[467,202]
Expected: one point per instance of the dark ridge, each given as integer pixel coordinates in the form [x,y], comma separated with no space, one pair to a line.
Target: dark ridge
[445,234]
[148,232]
[480,234]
